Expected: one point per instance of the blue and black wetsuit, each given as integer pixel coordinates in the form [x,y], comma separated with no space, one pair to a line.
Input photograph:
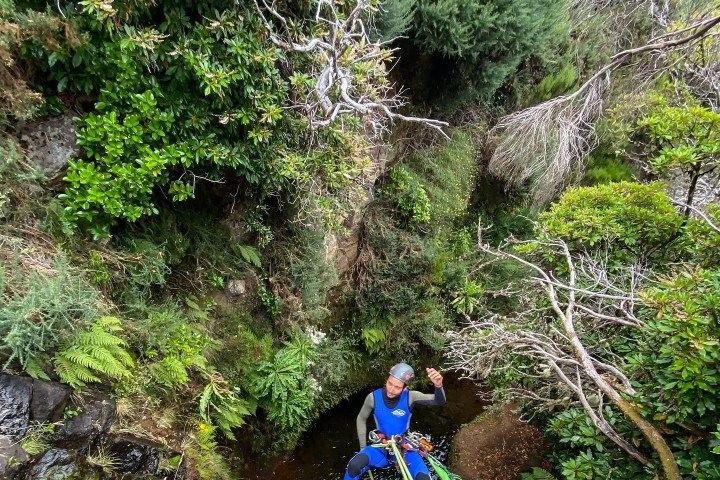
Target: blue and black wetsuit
[392,417]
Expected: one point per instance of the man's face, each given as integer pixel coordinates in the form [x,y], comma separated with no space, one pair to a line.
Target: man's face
[393,387]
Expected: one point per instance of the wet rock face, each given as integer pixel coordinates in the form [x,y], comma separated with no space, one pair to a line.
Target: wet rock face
[96,416]
[135,456]
[23,400]
[15,395]
[48,401]
[12,456]
[54,464]
[51,144]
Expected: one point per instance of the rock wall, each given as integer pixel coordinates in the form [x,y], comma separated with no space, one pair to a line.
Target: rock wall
[73,435]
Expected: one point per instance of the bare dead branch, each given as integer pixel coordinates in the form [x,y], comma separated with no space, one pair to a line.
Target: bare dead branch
[347,66]
[557,349]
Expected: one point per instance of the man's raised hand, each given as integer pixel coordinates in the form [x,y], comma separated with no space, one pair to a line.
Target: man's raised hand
[435,377]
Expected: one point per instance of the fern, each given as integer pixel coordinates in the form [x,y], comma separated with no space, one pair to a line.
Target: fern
[218,403]
[36,370]
[91,355]
[250,255]
[537,474]
[169,372]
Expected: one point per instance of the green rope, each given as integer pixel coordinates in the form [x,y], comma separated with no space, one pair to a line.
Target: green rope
[403,467]
[443,472]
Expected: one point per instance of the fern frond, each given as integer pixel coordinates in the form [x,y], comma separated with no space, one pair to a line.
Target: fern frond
[205,401]
[81,357]
[94,353]
[250,255]
[74,374]
[169,372]
[108,324]
[35,370]
[98,338]
[122,355]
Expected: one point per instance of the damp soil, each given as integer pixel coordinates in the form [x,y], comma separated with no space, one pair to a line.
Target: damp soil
[497,446]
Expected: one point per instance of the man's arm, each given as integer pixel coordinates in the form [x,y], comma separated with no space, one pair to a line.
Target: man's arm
[418,398]
[361,422]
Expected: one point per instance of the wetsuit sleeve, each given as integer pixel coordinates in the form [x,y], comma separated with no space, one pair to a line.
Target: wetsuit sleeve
[362,418]
[419,398]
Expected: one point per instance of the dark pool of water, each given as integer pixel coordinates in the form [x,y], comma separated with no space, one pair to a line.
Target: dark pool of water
[332,441]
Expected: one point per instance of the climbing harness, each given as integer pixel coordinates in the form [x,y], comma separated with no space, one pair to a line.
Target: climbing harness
[412,441]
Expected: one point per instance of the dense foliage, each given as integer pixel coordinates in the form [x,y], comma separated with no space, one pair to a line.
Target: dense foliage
[472,48]
[218,259]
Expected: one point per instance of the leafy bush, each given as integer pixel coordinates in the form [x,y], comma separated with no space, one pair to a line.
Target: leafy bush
[283,388]
[623,216]
[682,349]
[190,97]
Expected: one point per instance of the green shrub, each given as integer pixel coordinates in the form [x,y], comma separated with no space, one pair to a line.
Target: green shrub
[283,388]
[476,45]
[409,195]
[174,354]
[629,218]
[447,174]
[241,350]
[394,19]
[300,260]
[41,308]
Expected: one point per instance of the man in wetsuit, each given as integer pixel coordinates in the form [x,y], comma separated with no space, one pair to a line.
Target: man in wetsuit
[392,407]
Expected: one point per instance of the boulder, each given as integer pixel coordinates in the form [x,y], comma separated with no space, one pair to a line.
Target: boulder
[48,401]
[15,395]
[96,416]
[51,144]
[134,456]
[55,464]
[236,287]
[12,456]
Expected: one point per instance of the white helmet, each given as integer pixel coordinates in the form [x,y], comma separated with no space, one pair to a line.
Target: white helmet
[403,372]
